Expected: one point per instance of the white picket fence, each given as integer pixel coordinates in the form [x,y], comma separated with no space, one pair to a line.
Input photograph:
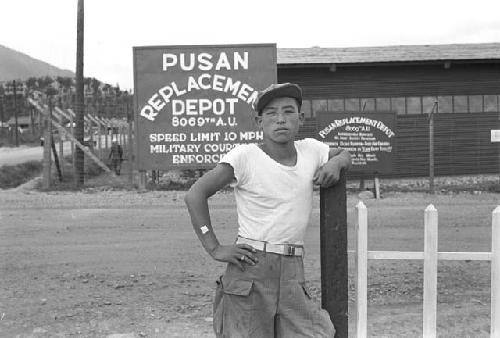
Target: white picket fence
[430,255]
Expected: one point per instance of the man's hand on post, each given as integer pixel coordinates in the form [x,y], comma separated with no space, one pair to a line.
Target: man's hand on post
[328,174]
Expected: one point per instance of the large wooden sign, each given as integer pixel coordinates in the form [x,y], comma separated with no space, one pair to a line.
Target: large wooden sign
[369,137]
[194,103]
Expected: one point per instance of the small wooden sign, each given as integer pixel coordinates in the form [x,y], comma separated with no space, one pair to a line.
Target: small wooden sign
[370,137]
[495,135]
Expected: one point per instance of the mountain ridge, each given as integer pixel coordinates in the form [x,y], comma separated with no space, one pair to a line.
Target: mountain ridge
[16,65]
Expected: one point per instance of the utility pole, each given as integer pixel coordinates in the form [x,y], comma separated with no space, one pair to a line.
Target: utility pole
[79,129]
[15,112]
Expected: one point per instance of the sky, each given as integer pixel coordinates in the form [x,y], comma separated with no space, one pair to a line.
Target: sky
[46,29]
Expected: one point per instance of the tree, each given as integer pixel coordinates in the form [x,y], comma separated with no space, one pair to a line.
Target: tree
[65,82]
[44,82]
[32,83]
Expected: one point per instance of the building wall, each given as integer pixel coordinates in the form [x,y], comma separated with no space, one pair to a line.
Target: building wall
[468,97]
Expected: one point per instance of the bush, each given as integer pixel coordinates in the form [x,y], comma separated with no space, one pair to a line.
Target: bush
[12,176]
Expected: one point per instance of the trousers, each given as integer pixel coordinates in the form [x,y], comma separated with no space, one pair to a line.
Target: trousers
[269,299]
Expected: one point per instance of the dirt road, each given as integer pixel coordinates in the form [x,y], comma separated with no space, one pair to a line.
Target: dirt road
[11,156]
[96,264]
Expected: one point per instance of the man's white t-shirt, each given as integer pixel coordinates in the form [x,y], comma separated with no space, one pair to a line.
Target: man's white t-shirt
[274,201]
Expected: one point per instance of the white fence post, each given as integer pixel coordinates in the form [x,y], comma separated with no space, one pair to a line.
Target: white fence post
[361,270]
[430,271]
[495,273]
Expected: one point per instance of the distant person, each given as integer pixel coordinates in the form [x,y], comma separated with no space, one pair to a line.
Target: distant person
[116,156]
[263,292]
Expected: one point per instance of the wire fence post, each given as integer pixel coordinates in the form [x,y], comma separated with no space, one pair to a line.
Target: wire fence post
[47,159]
[431,149]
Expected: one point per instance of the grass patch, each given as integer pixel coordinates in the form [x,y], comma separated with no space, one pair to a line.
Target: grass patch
[12,176]
[91,170]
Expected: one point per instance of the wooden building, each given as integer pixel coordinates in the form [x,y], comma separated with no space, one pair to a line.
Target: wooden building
[463,78]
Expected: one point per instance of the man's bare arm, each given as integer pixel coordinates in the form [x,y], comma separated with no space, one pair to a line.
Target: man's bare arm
[197,202]
[329,173]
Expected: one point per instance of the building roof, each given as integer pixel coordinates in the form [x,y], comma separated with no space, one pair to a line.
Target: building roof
[418,53]
[20,120]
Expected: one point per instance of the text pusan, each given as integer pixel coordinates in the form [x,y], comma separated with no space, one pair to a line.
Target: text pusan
[171,93]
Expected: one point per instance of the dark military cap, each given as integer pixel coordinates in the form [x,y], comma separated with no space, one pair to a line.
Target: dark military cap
[277,90]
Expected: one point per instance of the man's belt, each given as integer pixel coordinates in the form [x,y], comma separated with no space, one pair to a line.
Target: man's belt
[282,249]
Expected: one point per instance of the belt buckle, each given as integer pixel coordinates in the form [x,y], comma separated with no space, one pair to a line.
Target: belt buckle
[289,250]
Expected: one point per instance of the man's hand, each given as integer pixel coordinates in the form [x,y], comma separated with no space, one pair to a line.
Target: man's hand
[234,254]
[328,174]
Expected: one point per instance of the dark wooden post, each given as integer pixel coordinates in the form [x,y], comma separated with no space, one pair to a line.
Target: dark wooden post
[47,159]
[333,244]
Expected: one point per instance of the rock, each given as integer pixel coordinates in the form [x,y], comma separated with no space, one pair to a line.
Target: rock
[208,319]
[121,335]
[39,330]
[366,195]
[43,301]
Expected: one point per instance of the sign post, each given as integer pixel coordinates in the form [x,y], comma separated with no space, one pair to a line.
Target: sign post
[333,255]
[370,138]
[194,103]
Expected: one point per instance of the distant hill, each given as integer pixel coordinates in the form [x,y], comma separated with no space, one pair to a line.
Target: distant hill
[15,65]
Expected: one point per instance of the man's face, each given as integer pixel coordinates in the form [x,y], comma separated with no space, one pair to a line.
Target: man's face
[280,120]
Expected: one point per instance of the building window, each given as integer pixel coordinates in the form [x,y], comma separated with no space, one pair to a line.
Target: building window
[428,104]
[413,105]
[319,105]
[352,104]
[476,103]
[383,104]
[406,105]
[445,104]
[398,104]
[460,104]
[490,103]
[336,105]
[367,104]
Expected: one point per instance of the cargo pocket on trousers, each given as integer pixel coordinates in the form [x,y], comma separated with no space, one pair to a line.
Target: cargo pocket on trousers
[218,307]
[321,322]
[238,302]
[241,289]
[231,305]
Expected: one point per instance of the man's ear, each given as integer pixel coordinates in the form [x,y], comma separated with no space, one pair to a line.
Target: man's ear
[258,120]
[302,118]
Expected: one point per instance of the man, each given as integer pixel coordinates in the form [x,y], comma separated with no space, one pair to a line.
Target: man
[262,293]
[116,156]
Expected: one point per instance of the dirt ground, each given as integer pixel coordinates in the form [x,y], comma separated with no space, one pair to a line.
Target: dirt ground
[128,264]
